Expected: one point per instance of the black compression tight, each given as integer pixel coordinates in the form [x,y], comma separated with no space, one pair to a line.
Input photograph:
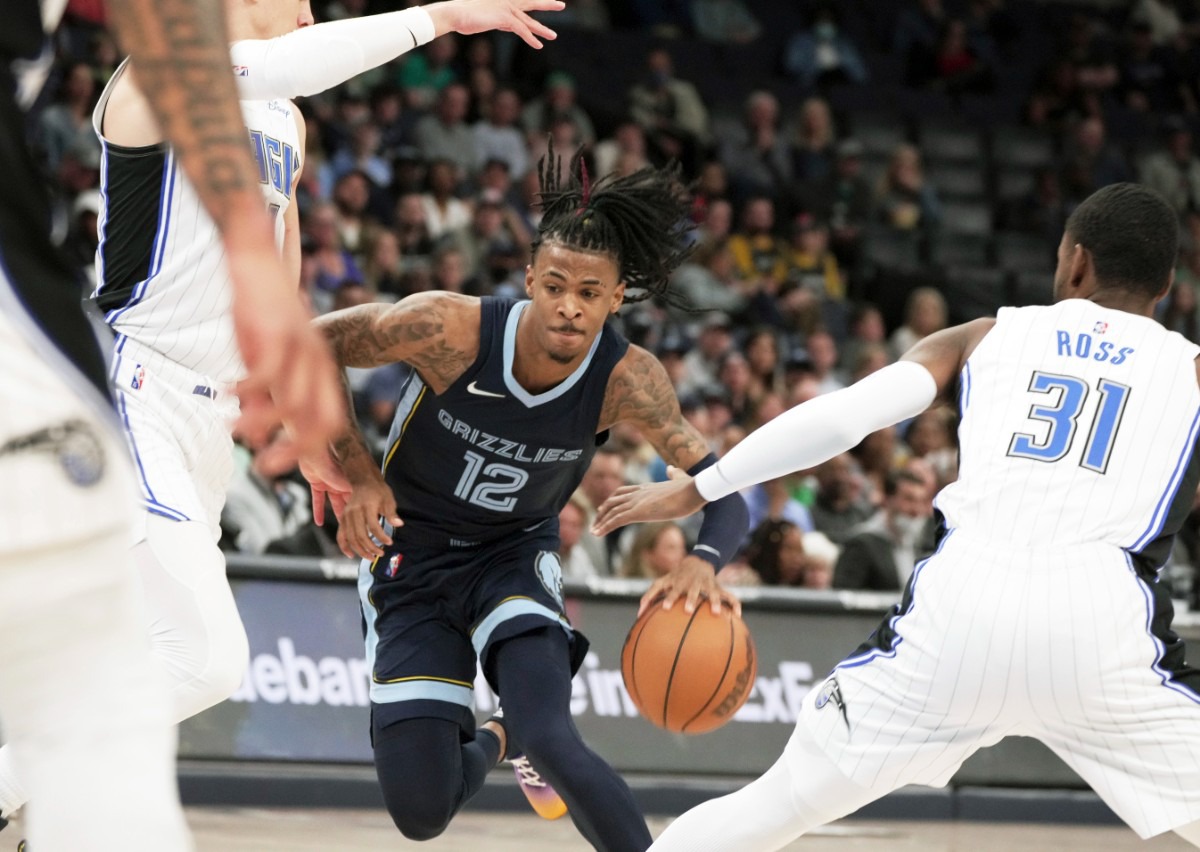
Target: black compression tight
[428,774]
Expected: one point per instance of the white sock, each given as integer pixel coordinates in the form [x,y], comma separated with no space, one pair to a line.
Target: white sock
[12,794]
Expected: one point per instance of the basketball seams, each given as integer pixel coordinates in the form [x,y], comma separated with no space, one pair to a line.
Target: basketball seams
[720,681]
[675,664]
[629,677]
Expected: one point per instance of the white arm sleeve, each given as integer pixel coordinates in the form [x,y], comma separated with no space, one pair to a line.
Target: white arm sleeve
[820,429]
[313,59]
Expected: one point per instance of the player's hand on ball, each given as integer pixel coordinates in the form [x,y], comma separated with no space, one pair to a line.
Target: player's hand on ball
[361,532]
[659,501]
[469,17]
[692,580]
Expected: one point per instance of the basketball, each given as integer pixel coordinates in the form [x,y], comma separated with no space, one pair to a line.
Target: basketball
[688,672]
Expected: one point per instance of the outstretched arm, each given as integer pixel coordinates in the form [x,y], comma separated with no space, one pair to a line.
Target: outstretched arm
[640,392]
[313,59]
[808,434]
[180,49]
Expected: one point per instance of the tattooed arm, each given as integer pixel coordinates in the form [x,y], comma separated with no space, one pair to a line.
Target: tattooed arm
[438,334]
[640,392]
[181,53]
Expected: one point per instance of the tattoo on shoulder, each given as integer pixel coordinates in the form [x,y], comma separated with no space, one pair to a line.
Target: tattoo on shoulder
[415,334]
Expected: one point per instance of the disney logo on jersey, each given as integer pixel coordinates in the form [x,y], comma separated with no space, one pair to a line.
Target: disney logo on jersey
[503,447]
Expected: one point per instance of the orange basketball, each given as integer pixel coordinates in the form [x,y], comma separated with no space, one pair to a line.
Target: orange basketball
[688,672]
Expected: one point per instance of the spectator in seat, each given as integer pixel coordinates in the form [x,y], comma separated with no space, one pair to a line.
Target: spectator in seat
[813,152]
[1174,172]
[656,550]
[670,112]
[839,506]
[755,154]
[823,55]
[925,312]
[905,200]
[882,553]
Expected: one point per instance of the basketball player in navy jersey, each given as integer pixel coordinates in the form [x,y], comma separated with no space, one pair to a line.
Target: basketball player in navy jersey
[459,532]
[87,721]
[1041,613]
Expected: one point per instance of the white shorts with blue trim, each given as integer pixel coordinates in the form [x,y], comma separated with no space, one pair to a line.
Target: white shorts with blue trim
[177,423]
[1069,646]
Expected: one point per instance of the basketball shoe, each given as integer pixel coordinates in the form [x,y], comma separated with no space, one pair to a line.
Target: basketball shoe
[543,798]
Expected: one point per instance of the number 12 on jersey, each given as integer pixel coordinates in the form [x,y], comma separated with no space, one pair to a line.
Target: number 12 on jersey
[505,479]
[1063,418]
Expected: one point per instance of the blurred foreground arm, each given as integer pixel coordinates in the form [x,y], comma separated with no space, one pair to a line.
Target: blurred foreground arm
[181,55]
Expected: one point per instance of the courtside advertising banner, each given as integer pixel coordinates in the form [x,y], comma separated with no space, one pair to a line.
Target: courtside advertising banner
[304,696]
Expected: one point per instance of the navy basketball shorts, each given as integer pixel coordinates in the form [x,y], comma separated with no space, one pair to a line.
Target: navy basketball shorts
[431,612]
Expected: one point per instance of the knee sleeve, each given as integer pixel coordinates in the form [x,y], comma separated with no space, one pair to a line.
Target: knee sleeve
[195,632]
[419,765]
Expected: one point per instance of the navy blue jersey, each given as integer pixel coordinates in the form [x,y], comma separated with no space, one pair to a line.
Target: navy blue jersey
[487,458]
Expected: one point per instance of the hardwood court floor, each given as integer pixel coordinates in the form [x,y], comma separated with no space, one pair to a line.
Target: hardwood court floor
[285,830]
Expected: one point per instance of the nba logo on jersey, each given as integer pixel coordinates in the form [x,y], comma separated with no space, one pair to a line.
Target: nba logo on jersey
[139,377]
[394,564]
[1100,328]
[241,70]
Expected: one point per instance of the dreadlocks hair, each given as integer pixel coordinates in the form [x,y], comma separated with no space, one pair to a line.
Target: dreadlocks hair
[640,220]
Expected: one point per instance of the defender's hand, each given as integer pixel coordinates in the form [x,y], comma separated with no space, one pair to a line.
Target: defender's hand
[469,17]
[326,480]
[361,532]
[291,379]
[659,501]
[692,580]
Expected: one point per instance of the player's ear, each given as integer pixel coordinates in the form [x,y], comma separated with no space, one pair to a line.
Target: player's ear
[1080,268]
[529,280]
[618,298]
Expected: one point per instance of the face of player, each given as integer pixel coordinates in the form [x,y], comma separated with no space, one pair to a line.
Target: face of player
[273,18]
[572,292]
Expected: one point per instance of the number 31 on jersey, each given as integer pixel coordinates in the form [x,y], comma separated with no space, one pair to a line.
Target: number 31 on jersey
[1063,417]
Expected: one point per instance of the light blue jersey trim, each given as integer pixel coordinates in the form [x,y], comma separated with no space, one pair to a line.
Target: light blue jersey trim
[510,347]
[422,690]
[506,611]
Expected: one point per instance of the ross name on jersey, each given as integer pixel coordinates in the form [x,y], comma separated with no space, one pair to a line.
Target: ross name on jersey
[1084,345]
[502,446]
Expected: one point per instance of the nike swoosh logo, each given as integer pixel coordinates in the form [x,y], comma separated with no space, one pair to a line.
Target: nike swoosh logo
[479,392]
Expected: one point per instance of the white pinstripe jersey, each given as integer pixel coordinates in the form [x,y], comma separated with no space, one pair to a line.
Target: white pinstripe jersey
[160,265]
[1079,424]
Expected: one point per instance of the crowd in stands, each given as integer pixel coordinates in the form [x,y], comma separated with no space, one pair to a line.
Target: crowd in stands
[865,172]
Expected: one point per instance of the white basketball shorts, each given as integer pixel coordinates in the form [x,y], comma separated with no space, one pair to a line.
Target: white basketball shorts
[1067,645]
[177,422]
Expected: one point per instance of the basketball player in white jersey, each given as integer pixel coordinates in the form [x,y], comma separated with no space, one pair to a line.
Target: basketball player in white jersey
[80,701]
[167,287]
[1040,613]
